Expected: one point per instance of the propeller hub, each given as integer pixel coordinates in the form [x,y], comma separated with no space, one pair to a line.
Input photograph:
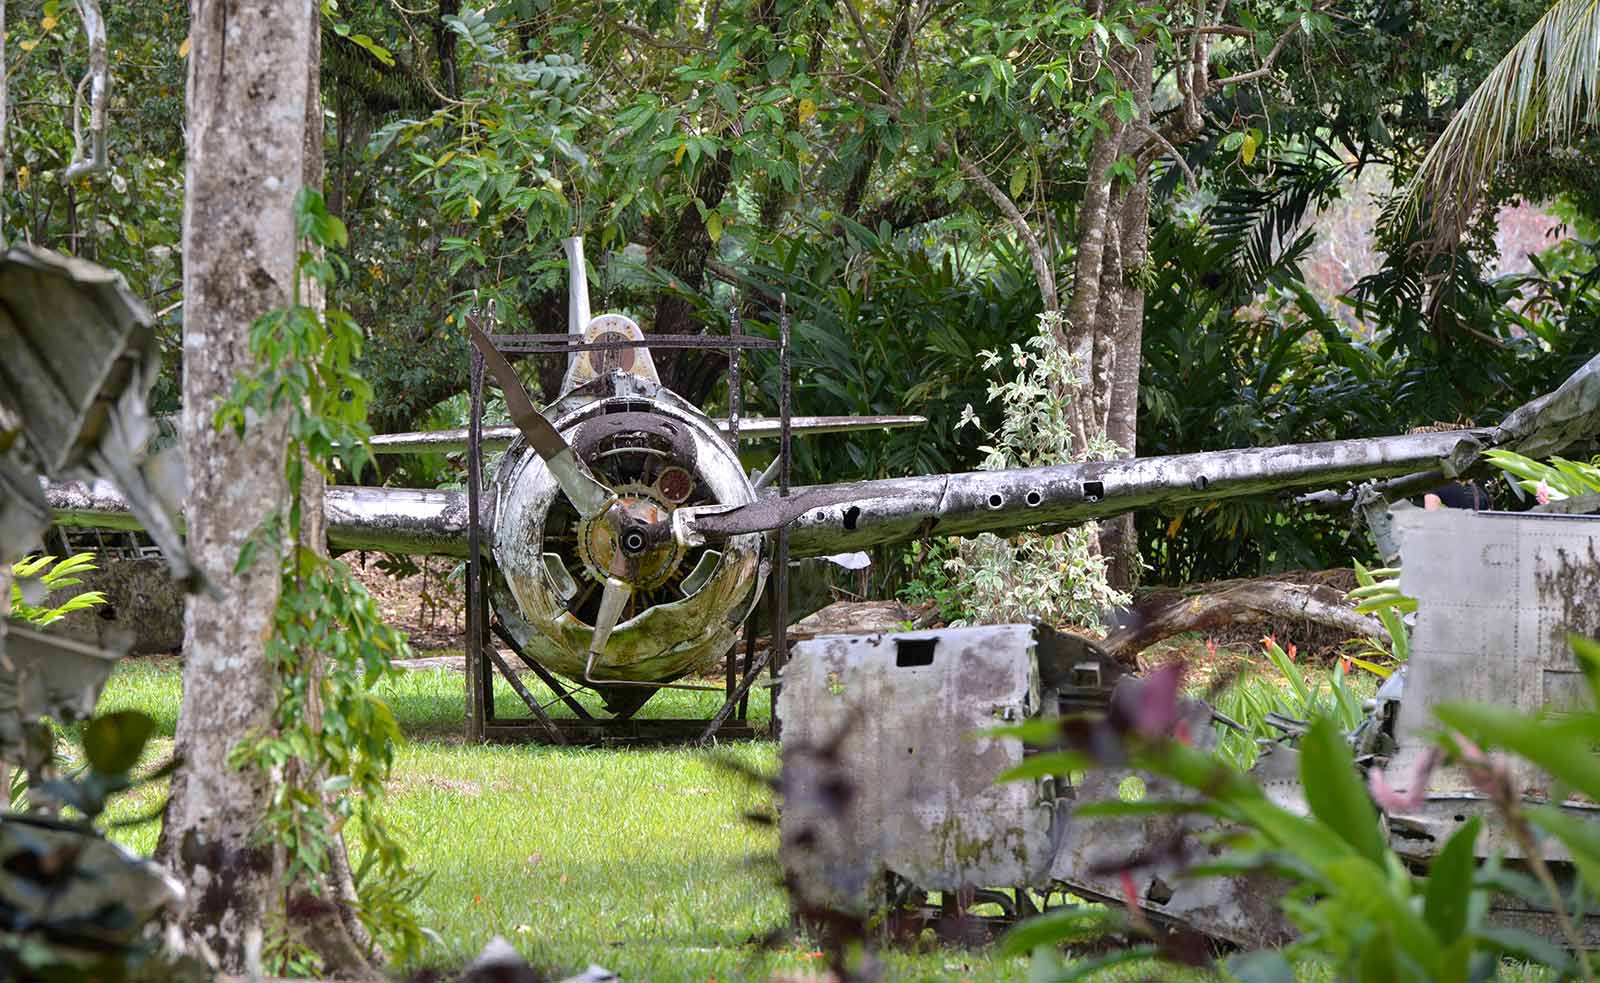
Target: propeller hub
[621,542]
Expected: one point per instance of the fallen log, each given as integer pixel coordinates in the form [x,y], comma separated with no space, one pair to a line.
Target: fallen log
[1165,612]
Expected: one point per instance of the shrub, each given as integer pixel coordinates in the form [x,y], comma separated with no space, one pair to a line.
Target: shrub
[1058,578]
[48,576]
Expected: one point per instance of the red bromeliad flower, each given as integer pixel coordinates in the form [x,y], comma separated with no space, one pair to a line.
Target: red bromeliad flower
[1291,652]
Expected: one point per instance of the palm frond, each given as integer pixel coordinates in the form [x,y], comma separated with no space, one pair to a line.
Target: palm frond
[1546,90]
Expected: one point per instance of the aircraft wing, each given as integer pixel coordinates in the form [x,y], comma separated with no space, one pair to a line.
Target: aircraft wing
[750,428]
[826,519]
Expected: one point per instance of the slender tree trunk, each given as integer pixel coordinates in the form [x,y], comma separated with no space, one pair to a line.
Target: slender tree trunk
[248,66]
[1118,539]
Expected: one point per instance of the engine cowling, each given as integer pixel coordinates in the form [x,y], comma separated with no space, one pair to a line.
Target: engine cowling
[657,453]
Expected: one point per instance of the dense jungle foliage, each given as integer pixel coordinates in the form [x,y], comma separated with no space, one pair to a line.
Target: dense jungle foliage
[737,151]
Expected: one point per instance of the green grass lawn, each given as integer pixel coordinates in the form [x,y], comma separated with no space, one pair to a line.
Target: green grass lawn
[639,860]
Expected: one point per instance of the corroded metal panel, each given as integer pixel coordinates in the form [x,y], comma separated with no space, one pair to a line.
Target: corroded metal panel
[1497,593]
[414,521]
[856,516]
[1145,858]
[901,718]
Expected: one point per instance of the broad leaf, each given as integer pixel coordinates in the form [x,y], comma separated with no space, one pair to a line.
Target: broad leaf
[1335,792]
[113,742]
[1559,746]
[1449,891]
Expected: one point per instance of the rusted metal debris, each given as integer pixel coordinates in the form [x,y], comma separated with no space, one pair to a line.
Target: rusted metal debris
[77,357]
[890,785]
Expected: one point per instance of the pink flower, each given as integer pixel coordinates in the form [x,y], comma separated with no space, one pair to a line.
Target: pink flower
[1542,492]
[1211,648]
[1391,801]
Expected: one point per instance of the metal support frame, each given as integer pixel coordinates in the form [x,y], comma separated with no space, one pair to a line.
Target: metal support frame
[484,660]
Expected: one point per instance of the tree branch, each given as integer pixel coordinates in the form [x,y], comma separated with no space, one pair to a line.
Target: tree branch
[1155,135]
[98,78]
[1166,613]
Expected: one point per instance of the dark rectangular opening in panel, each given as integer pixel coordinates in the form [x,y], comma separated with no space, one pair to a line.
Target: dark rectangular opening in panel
[914,651]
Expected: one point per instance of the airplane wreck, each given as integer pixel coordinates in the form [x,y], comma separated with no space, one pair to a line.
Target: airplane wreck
[617,543]
[620,546]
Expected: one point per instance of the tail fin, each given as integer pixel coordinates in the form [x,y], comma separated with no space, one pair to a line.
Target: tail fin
[577,292]
[583,367]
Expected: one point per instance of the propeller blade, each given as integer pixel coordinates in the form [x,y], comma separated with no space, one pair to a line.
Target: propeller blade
[766,515]
[612,601]
[586,494]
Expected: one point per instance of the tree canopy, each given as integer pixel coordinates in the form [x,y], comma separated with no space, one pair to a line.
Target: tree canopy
[917,179]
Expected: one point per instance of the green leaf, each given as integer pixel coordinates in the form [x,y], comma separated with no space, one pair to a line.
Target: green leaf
[1559,746]
[1366,889]
[114,741]
[1449,891]
[1035,730]
[1335,793]
[1580,837]
[247,555]
[1144,807]
[1378,957]
[1587,653]
[1087,968]
[1297,681]
[1524,945]
[1045,765]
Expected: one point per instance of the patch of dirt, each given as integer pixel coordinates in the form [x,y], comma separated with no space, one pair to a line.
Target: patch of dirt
[1205,664]
[429,606]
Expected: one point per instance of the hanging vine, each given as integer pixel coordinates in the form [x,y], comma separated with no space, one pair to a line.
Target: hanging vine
[333,742]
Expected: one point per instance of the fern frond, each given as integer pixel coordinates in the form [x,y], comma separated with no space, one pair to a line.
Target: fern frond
[1546,90]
